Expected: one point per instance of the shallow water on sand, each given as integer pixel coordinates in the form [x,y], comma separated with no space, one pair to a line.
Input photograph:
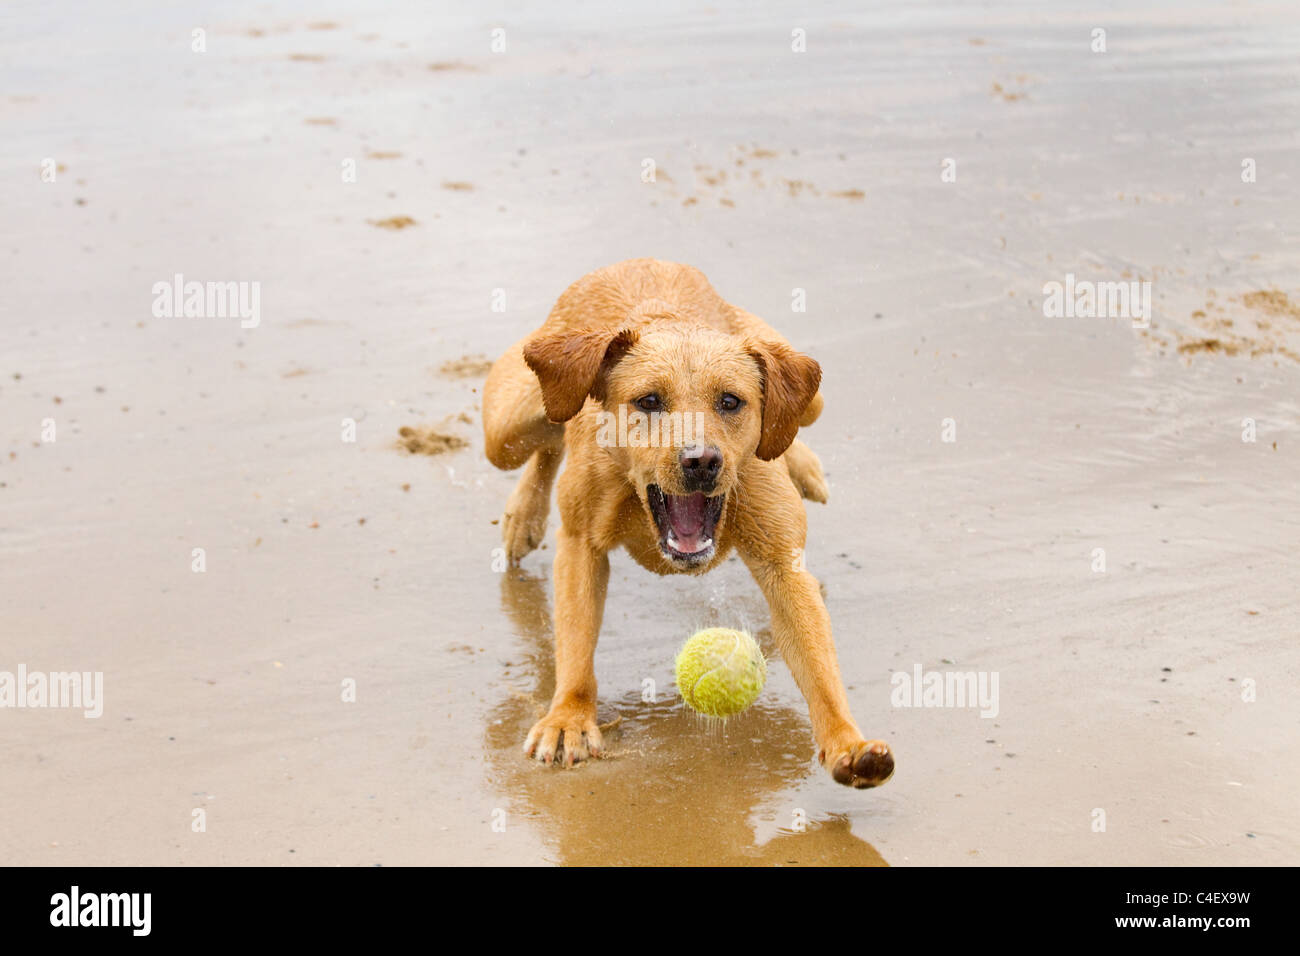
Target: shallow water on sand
[329,561]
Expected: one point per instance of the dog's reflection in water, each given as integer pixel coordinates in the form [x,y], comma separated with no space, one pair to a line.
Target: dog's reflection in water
[673,792]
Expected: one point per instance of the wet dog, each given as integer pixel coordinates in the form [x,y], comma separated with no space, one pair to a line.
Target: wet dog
[678,413]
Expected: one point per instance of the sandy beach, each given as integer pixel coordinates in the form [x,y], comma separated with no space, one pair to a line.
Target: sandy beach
[309,649]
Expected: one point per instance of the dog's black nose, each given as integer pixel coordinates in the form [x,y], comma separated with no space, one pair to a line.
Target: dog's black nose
[700,467]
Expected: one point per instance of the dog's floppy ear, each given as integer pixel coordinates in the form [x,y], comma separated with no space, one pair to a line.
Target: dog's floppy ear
[790,382]
[571,364]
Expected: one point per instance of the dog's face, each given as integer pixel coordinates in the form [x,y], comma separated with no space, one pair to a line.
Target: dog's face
[684,411]
[693,400]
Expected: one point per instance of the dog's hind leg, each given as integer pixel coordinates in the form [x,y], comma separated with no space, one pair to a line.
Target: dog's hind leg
[517,432]
[523,526]
[813,411]
[747,324]
[514,419]
[806,472]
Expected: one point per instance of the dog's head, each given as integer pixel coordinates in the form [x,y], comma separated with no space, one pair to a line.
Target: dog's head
[683,412]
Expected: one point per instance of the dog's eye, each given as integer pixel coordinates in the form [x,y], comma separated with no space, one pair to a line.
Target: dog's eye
[648,403]
[729,402]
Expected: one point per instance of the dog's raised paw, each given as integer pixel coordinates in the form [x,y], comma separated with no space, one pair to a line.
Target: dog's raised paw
[867,764]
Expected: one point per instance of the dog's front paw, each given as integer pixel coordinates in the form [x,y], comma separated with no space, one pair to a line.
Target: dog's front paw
[567,735]
[867,763]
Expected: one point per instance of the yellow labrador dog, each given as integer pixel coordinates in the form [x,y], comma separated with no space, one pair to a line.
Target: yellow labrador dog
[652,343]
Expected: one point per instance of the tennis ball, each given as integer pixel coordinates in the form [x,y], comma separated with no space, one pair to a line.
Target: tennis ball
[720,672]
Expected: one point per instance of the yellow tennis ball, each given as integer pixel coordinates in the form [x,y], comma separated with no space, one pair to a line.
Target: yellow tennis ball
[720,672]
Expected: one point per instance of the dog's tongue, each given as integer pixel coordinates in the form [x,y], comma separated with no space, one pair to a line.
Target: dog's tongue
[686,518]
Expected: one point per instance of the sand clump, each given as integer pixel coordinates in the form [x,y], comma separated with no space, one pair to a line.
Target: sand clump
[1009,95]
[1210,345]
[393,222]
[713,182]
[1252,330]
[427,440]
[467,366]
[433,440]
[1271,302]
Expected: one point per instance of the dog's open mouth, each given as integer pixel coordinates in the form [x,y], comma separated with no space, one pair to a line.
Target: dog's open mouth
[686,523]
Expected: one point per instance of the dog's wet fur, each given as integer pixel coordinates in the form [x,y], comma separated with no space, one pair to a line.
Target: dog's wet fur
[654,337]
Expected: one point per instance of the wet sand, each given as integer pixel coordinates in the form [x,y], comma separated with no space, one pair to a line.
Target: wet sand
[497,179]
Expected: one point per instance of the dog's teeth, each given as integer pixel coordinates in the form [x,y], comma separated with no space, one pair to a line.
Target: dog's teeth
[677,546]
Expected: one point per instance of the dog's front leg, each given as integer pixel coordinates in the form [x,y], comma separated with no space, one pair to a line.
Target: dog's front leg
[802,628]
[581,575]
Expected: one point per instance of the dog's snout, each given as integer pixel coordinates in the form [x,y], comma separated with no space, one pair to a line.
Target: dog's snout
[700,467]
